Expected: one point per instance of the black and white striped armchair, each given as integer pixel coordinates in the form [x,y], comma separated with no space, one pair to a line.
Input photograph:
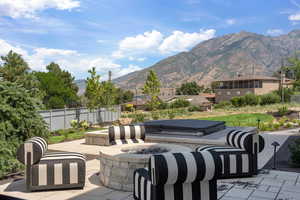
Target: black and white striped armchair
[239,159]
[180,176]
[126,134]
[46,171]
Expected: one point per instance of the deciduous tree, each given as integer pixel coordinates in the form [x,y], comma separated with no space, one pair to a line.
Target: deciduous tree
[58,86]
[152,89]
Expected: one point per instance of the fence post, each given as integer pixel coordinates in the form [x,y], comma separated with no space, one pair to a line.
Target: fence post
[93,116]
[65,117]
[50,120]
[88,115]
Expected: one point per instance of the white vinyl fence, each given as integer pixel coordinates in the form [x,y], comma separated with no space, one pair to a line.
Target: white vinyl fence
[61,118]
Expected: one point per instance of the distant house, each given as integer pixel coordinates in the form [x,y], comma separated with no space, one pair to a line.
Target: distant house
[167,92]
[195,100]
[211,97]
[239,86]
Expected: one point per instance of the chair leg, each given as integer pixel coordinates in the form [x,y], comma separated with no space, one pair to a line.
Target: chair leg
[28,172]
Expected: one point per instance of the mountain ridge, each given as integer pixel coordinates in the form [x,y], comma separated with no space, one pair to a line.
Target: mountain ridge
[220,57]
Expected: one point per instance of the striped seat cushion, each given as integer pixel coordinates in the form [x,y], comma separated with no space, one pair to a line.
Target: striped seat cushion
[197,190]
[59,169]
[235,162]
[142,185]
[126,134]
[187,167]
[246,140]
[35,146]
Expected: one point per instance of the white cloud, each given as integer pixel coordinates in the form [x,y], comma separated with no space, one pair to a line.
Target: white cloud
[131,58]
[145,41]
[230,21]
[154,42]
[5,47]
[294,17]
[118,54]
[180,41]
[274,32]
[29,8]
[142,43]
[69,60]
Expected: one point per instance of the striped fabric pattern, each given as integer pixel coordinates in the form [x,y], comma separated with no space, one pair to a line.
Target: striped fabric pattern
[235,162]
[59,170]
[178,176]
[35,146]
[249,141]
[142,185]
[45,171]
[126,134]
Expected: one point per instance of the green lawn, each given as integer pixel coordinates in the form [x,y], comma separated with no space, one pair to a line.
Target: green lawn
[246,119]
[69,134]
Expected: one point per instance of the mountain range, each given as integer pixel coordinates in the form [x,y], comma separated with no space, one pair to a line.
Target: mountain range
[241,53]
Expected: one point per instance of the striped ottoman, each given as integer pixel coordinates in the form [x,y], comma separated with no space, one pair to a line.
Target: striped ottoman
[46,171]
[126,134]
[239,159]
[178,176]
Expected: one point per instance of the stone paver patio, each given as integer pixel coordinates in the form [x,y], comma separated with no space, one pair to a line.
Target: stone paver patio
[272,184]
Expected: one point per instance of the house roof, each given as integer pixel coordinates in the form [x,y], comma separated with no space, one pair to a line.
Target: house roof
[250,77]
[194,99]
[208,95]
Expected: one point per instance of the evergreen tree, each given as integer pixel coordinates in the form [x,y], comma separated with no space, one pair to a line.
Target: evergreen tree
[292,70]
[93,89]
[15,69]
[152,89]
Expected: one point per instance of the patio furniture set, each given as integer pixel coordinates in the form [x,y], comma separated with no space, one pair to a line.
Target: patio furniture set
[168,174]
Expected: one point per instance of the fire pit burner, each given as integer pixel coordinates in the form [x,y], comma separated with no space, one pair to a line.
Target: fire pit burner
[148,150]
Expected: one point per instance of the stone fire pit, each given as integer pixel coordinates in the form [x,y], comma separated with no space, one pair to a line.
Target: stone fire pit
[117,163]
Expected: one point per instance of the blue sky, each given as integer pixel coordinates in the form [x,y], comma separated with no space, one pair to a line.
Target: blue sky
[128,35]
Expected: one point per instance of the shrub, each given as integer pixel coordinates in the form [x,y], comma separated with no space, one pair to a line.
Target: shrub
[139,117]
[295,152]
[163,105]
[129,107]
[238,101]
[270,98]
[65,133]
[84,124]
[282,120]
[288,124]
[19,120]
[74,123]
[283,110]
[194,108]
[288,92]
[223,104]
[180,103]
[276,126]
[171,114]
[251,99]
[8,163]
[155,115]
